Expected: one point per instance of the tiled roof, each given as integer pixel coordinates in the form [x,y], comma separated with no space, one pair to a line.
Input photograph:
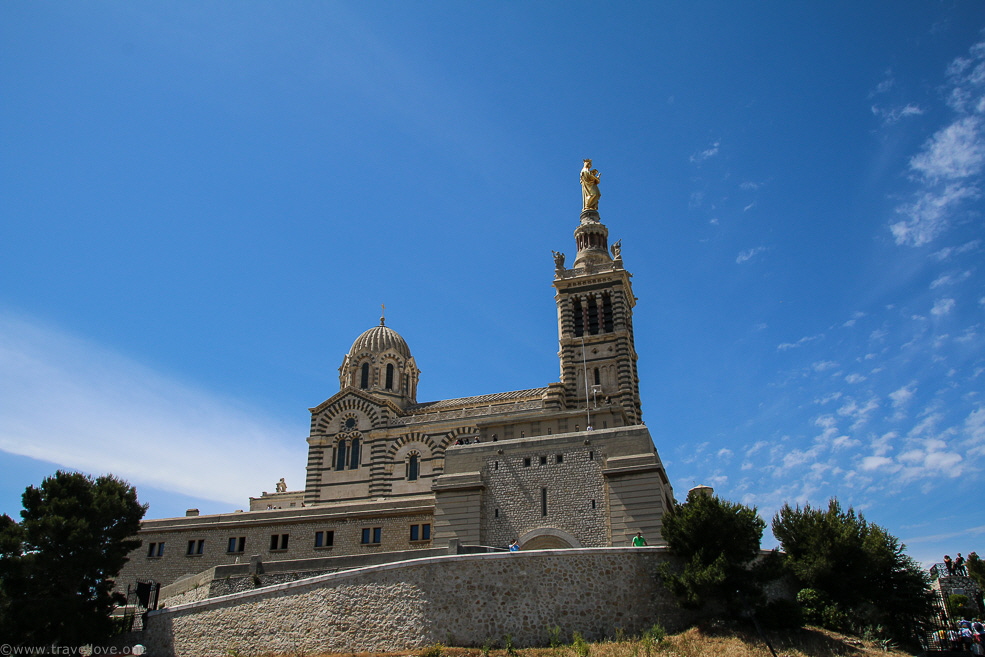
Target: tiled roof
[461,402]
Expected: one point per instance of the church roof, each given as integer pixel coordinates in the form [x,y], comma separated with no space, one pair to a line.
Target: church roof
[480,400]
[379,339]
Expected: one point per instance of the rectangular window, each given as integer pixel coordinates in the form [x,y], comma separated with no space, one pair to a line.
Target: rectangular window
[591,456]
[543,501]
[495,513]
[372,536]
[526,462]
[420,532]
[559,458]
[496,465]
[195,547]
[324,539]
[377,534]
[593,504]
[236,544]
[155,550]
[543,460]
[278,541]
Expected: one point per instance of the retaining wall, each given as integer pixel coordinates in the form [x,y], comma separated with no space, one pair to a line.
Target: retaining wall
[457,599]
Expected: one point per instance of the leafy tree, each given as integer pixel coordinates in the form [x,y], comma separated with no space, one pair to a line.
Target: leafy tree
[57,565]
[718,541]
[859,572]
[959,606]
[976,569]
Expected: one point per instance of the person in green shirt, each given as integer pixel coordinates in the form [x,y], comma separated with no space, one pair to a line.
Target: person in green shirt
[638,540]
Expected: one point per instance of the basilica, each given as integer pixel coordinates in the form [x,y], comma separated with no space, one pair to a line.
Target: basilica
[390,478]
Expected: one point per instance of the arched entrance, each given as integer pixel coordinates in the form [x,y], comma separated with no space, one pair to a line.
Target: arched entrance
[548,538]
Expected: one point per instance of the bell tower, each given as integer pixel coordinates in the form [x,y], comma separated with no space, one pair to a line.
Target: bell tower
[595,318]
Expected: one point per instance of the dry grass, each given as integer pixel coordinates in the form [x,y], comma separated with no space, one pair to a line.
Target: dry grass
[706,641]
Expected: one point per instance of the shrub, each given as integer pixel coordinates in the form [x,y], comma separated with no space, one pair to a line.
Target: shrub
[579,645]
[436,650]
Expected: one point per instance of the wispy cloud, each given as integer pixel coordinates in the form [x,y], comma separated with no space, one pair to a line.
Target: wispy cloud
[891,115]
[948,167]
[884,85]
[785,346]
[706,154]
[942,307]
[748,254]
[101,412]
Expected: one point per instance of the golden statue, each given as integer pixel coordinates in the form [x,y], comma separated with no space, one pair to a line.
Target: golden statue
[590,193]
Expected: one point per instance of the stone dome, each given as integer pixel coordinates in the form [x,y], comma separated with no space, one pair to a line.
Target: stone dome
[379,339]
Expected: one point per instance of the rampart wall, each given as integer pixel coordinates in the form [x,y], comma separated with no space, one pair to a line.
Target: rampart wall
[470,599]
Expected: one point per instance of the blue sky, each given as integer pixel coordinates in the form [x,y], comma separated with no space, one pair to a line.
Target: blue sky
[203,204]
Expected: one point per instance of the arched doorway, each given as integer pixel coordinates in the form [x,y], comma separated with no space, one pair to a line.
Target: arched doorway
[548,538]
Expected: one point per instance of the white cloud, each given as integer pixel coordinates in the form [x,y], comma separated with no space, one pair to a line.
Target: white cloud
[974,431]
[799,343]
[950,163]
[844,442]
[758,445]
[859,413]
[878,463]
[891,115]
[948,251]
[854,378]
[72,403]
[955,152]
[942,307]
[823,365]
[950,279]
[902,396]
[930,214]
[709,152]
[749,254]
[883,444]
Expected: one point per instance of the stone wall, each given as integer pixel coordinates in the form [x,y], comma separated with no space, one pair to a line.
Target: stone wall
[569,474]
[461,600]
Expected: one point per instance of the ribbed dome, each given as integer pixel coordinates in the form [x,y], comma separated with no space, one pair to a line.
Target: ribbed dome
[377,340]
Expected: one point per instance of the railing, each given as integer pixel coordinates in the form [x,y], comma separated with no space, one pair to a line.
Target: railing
[939,570]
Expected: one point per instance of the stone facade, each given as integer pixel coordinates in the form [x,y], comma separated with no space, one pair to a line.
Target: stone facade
[460,600]
[254,532]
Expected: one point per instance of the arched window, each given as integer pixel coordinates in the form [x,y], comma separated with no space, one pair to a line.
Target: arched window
[389,376]
[340,455]
[579,318]
[413,468]
[364,380]
[598,377]
[593,316]
[607,312]
[354,454]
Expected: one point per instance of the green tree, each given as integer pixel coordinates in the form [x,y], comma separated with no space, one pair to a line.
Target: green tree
[859,570]
[57,565]
[976,569]
[718,541]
